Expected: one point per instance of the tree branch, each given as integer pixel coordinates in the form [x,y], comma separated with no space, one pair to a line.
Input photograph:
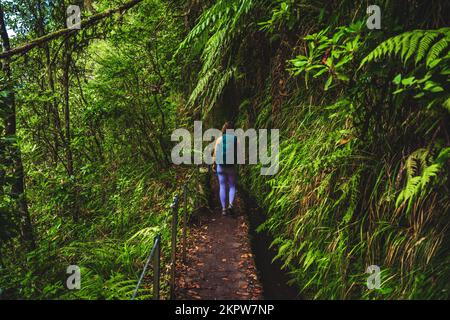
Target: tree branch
[92,20]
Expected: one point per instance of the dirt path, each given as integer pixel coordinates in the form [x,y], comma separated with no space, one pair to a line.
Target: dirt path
[219,263]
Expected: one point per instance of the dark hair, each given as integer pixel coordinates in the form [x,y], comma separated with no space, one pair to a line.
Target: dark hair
[227,125]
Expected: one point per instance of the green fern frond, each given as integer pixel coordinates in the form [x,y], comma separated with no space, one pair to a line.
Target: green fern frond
[396,44]
[443,156]
[201,86]
[221,24]
[209,21]
[424,45]
[415,161]
[219,86]
[416,43]
[420,175]
[436,50]
[405,45]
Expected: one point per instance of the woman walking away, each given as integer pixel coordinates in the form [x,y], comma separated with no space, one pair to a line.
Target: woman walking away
[225,158]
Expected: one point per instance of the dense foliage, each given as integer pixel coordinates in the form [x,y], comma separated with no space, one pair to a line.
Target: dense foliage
[364,115]
[95,113]
[86,177]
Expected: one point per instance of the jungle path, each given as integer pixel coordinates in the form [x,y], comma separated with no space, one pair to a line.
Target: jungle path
[220,262]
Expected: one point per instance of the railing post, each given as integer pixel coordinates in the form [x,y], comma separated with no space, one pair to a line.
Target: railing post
[157,268]
[185,222]
[174,207]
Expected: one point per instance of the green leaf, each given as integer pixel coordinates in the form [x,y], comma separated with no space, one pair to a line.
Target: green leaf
[299,63]
[397,79]
[319,73]
[342,77]
[328,83]
[446,104]
[433,87]
[408,81]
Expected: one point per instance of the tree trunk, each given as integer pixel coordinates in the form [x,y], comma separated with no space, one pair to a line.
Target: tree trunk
[67,138]
[18,183]
[52,108]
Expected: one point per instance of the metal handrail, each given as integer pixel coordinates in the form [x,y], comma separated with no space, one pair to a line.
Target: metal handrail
[157,248]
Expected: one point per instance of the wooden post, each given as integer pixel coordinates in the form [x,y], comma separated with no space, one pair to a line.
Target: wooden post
[174,246]
[185,223]
[157,268]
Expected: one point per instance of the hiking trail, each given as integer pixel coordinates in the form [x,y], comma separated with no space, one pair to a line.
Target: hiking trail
[227,259]
[220,263]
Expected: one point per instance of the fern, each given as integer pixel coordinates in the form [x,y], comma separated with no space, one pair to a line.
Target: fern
[413,45]
[218,87]
[418,43]
[420,175]
[202,85]
[217,27]
[424,45]
[405,45]
[436,50]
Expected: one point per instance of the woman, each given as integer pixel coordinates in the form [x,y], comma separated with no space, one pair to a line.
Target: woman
[225,158]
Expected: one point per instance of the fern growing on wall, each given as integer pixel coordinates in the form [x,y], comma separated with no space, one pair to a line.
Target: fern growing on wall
[420,44]
[427,77]
[214,33]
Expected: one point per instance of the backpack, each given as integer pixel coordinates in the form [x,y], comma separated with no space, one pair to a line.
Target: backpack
[225,147]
